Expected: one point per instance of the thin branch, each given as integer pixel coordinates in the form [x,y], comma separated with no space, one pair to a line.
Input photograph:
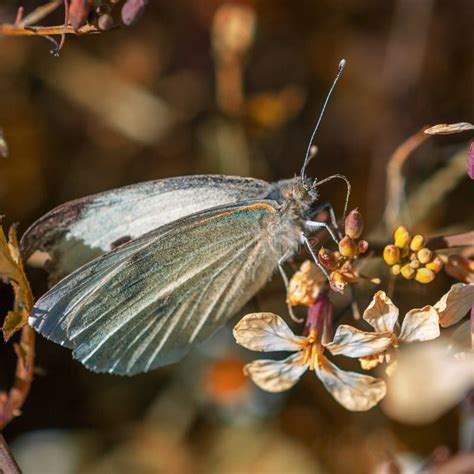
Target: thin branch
[7,29]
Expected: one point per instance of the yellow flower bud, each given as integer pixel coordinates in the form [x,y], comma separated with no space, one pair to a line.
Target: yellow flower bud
[424,255]
[401,237]
[396,269]
[391,254]
[347,247]
[435,265]
[424,275]
[337,282]
[417,242]
[407,272]
[415,263]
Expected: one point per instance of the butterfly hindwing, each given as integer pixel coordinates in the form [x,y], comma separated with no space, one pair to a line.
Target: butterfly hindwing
[146,303]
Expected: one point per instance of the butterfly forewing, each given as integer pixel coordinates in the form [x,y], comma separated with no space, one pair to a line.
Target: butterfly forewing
[81,230]
[146,303]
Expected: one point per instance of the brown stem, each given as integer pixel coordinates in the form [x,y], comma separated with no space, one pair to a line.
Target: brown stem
[13,30]
[8,464]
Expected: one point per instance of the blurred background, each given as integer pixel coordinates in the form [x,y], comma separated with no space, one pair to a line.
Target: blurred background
[203,86]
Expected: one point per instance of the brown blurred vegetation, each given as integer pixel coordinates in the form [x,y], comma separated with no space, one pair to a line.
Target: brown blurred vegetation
[139,103]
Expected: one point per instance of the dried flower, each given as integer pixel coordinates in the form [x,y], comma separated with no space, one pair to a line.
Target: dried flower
[269,332]
[455,304]
[418,325]
[305,285]
[428,381]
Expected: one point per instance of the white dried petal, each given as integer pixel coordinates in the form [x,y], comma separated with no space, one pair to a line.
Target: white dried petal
[381,313]
[353,391]
[449,128]
[352,342]
[427,382]
[420,325]
[276,375]
[266,332]
[455,304]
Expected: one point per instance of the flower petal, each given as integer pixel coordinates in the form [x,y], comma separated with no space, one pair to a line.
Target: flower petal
[420,325]
[352,342]
[381,313]
[266,332]
[353,391]
[276,375]
[426,382]
[454,305]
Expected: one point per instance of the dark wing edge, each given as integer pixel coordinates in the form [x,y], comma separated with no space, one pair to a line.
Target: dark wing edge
[148,302]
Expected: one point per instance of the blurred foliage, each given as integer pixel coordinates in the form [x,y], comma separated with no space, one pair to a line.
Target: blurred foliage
[187,91]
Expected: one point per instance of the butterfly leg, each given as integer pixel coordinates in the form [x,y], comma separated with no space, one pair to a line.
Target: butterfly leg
[307,244]
[286,282]
[327,206]
[313,225]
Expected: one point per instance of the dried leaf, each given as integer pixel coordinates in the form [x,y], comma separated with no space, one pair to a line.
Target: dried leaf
[449,128]
[8,266]
[14,321]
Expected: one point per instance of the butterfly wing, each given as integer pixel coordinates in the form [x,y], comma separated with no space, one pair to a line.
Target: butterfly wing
[146,303]
[80,230]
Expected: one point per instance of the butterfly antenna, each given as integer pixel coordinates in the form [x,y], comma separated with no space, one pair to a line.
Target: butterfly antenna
[311,151]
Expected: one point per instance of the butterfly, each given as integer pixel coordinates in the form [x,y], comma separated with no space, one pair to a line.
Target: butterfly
[155,268]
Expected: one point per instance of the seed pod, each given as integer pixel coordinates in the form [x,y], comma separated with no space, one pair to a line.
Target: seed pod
[78,12]
[347,247]
[353,224]
[417,242]
[105,22]
[424,275]
[337,282]
[132,10]
[408,272]
[362,246]
[396,269]
[424,255]
[435,265]
[401,237]
[327,258]
[391,254]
